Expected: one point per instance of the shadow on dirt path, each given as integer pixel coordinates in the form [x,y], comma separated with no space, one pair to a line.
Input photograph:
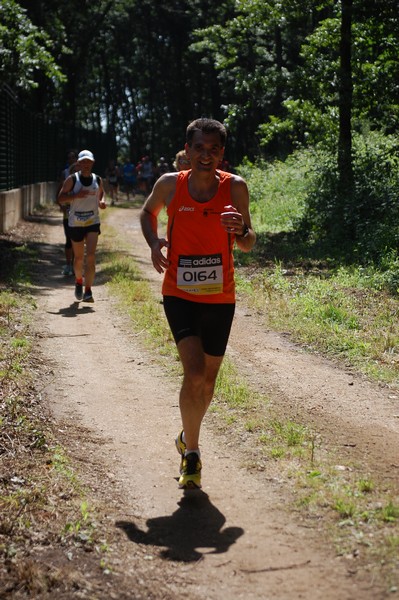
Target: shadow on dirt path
[197,523]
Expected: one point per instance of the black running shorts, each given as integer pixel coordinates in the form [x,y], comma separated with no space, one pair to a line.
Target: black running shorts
[78,234]
[210,322]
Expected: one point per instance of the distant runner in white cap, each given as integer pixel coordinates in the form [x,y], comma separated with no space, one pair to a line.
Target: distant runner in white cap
[84,192]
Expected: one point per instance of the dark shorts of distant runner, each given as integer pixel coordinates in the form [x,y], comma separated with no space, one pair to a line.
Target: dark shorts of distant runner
[78,234]
[210,322]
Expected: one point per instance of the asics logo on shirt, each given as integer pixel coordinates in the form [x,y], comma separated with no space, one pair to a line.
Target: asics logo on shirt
[186,208]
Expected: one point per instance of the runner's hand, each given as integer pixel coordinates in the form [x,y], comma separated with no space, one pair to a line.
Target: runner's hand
[159,260]
[231,220]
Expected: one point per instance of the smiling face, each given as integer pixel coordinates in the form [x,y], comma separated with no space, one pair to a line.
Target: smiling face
[205,151]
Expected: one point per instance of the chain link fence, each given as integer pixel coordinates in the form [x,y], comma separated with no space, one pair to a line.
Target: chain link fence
[33,149]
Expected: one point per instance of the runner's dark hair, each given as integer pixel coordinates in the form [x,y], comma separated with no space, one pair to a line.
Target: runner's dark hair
[206,126]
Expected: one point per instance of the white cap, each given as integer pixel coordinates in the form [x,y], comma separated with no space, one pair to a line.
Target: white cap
[86,154]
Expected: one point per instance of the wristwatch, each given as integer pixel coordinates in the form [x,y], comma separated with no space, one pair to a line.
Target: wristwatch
[245,231]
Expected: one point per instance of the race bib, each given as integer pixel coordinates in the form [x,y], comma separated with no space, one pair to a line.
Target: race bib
[200,275]
[83,218]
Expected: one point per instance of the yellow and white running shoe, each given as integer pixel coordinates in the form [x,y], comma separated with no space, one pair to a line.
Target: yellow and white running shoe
[181,448]
[190,478]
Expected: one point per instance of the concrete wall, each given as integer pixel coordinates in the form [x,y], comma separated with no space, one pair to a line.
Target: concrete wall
[20,203]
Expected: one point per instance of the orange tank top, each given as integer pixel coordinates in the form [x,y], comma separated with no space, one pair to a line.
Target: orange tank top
[201,252]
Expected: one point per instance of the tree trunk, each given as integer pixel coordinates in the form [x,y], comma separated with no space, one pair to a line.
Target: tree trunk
[345,104]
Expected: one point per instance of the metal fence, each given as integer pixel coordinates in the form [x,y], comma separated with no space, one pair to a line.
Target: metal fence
[33,149]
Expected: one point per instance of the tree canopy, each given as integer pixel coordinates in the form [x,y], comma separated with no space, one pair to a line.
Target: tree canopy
[270,69]
[25,50]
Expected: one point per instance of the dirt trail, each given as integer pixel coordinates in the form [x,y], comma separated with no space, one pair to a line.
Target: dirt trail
[237,538]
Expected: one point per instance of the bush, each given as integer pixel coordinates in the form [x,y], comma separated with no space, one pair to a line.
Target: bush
[277,191]
[364,225]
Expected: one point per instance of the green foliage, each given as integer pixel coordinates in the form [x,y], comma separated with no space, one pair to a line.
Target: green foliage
[390,512]
[268,68]
[375,67]
[302,124]
[366,486]
[24,49]
[345,508]
[277,191]
[362,225]
[254,52]
[320,54]
[310,112]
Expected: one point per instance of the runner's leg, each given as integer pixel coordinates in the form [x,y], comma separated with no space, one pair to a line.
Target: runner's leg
[199,377]
[78,252]
[90,269]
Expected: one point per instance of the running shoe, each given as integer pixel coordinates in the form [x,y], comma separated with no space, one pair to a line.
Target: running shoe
[181,448]
[78,291]
[190,478]
[70,271]
[88,296]
[65,270]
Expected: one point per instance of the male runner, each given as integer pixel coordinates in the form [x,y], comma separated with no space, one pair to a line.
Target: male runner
[208,210]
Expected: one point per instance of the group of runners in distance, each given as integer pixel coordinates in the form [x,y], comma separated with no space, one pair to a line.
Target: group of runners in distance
[208,212]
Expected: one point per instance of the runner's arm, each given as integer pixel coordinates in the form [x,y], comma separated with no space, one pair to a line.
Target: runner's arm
[101,198]
[239,217]
[64,195]
[160,197]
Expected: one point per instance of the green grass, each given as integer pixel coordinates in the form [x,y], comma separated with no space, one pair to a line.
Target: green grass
[337,315]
